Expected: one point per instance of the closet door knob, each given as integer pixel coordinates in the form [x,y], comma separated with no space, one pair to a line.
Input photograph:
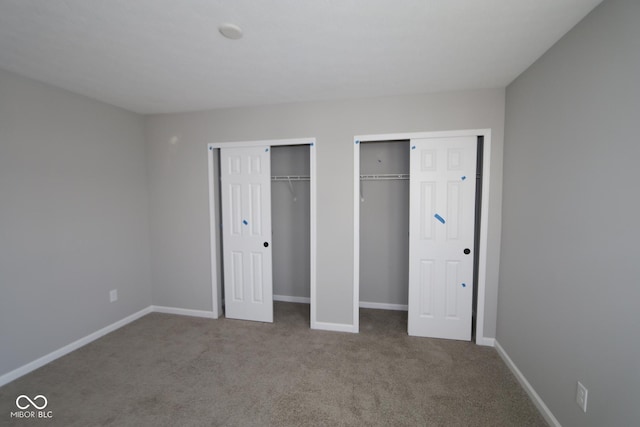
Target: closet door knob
[266,244]
[467,251]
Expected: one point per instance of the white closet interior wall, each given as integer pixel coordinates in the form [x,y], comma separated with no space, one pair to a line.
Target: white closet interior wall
[290,218]
[384,224]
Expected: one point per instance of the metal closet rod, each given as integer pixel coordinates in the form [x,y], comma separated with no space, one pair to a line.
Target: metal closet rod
[385,177]
[372,177]
[291,178]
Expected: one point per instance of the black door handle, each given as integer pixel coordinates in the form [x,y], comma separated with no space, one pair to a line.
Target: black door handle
[266,244]
[467,251]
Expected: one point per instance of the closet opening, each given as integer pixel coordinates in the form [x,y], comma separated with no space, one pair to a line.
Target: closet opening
[290,225]
[262,204]
[384,234]
[420,232]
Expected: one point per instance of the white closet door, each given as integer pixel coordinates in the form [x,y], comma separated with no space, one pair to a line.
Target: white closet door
[441,236]
[245,178]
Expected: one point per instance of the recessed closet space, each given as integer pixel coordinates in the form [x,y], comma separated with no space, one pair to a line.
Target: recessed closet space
[290,222]
[384,225]
[262,205]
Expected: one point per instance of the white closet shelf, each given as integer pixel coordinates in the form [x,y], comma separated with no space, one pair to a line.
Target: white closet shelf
[291,178]
[384,177]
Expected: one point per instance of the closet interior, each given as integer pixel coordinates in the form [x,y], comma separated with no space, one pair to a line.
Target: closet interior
[290,222]
[384,225]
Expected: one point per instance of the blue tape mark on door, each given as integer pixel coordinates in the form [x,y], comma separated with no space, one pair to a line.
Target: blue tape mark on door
[244,221]
[464,285]
[464,177]
[439,218]
[266,150]
[413,147]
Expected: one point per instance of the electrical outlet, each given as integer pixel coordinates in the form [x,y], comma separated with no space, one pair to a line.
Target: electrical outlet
[113,295]
[581,396]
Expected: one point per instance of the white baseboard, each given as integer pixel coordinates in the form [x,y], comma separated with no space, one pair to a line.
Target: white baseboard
[287,298]
[334,327]
[535,397]
[183,311]
[489,342]
[326,326]
[383,306]
[32,366]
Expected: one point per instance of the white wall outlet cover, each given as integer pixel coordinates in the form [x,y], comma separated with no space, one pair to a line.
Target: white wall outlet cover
[113,295]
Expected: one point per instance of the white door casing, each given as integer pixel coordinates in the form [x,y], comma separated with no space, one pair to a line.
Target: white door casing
[441,232]
[245,177]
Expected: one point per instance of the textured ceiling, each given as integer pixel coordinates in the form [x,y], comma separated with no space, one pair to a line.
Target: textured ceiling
[155,56]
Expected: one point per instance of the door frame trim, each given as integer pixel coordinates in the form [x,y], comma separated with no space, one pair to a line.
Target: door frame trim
[484,215]
[216,285]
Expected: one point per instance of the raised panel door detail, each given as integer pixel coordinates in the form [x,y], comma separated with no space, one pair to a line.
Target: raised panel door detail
[235,206]
[427,201]
[255,165]
[454,159]
[428,160]
[256,277]
[451,289]
[453,210]
[234,165]
[255,209]
[426,287]
[237,276]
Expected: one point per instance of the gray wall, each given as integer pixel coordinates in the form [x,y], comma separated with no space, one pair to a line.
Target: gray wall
[177,161]
[384,224]
[570,271]
[73,218]
[290,222]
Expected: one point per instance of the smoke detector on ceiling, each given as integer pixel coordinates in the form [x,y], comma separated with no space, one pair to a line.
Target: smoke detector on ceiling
[230,31]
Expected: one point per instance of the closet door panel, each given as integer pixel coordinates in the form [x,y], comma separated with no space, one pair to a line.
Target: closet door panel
[246,233]
[441,236]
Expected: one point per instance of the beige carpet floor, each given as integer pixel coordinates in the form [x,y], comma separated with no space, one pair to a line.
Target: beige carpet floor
[167,370]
